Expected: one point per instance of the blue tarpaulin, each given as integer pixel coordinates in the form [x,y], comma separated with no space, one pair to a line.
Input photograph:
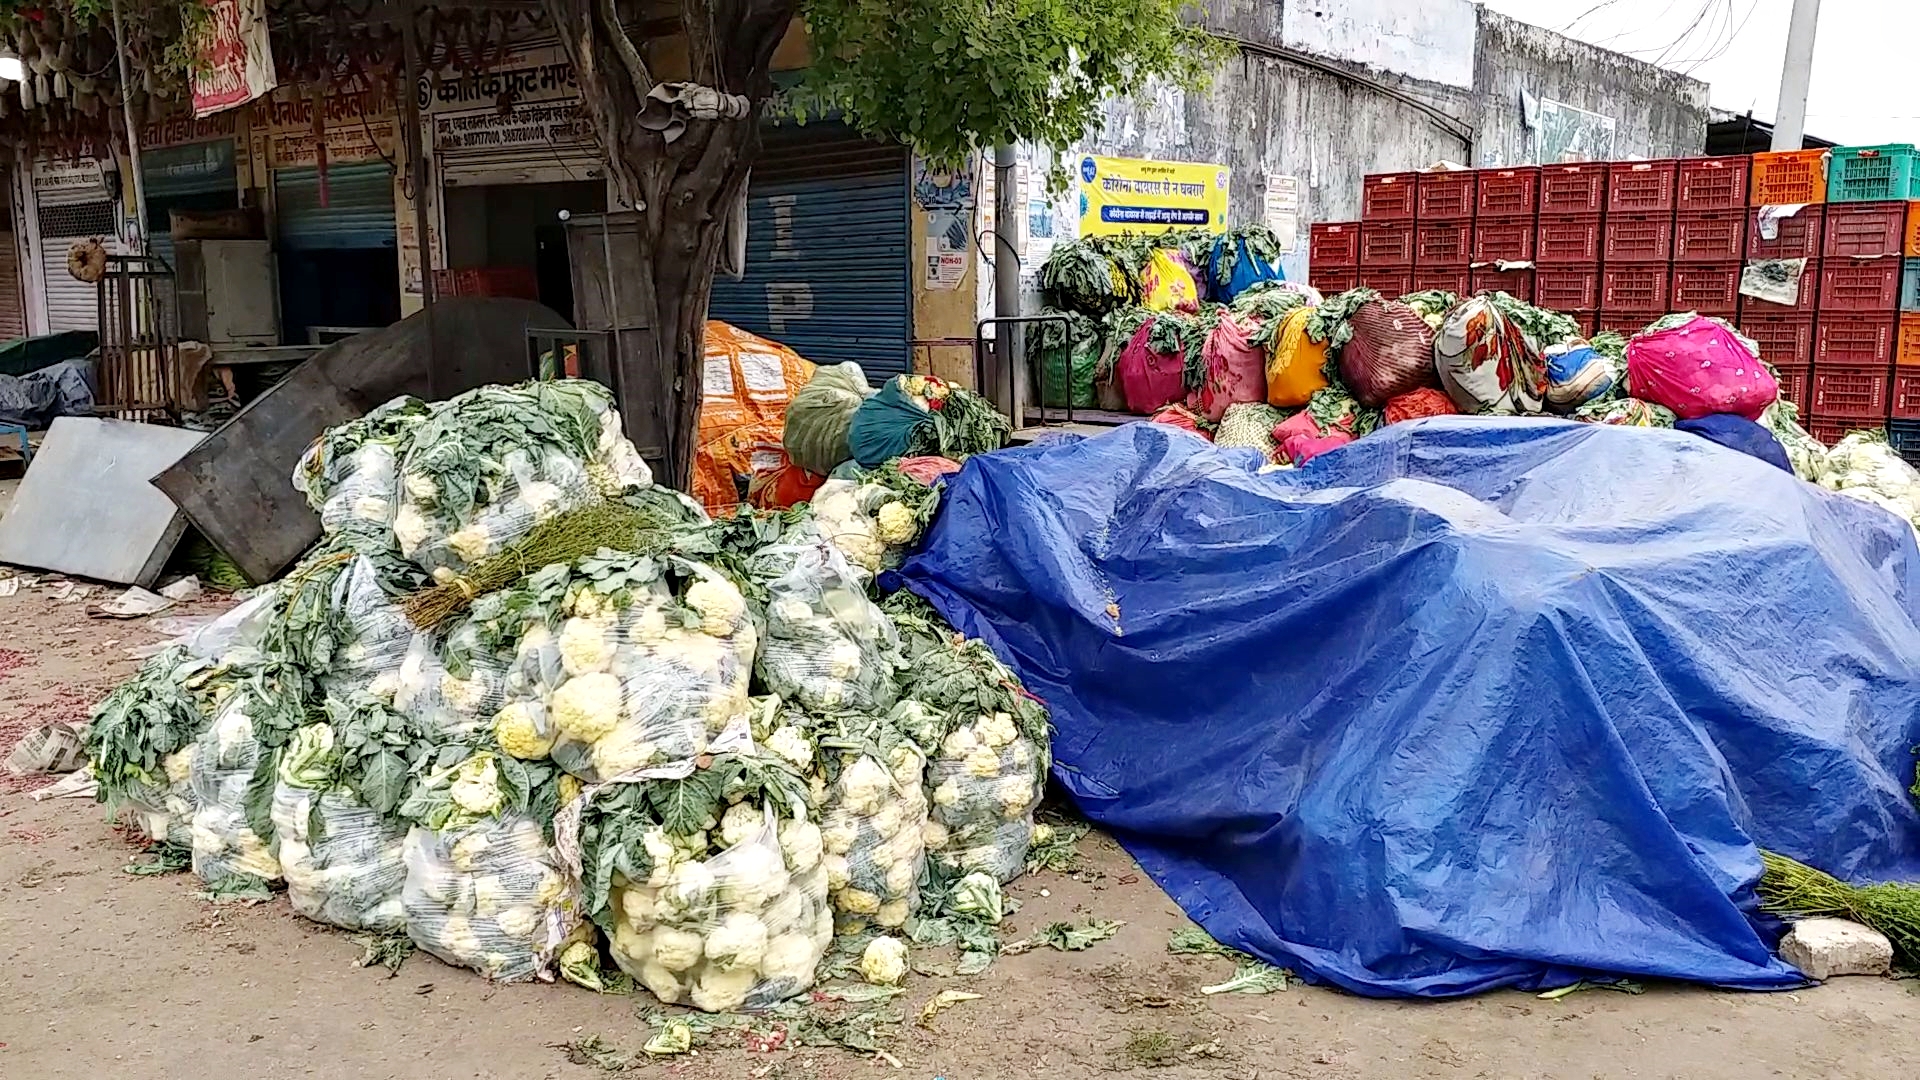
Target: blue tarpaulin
[1465,704]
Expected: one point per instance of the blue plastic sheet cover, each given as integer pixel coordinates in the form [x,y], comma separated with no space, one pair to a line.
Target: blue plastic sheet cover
[1464,704]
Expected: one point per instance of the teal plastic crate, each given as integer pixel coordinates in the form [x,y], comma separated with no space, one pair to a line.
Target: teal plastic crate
[1873,173]
[1910,286]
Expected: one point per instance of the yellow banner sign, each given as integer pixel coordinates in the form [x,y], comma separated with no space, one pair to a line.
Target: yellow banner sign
[1122,195]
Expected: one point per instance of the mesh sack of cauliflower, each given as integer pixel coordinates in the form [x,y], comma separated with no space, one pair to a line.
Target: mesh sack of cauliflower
[453,684]
[1863,466]
[485,895]
[827,647]
[867,521]
[351,473]
[226,842]
[986,779]
[163,805]
[872,828]
[491,464]
[711,888]
[651,659]
[377,634]
[340,849]
[139,740]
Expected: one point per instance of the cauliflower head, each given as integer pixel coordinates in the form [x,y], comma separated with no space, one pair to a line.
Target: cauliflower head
[677,950]
[864,786]
[587,707]
[718,990]
[741,822]
[476,786]
[791,956]
[896,524]
[789,744]
[738,942]
[802,844]
[583,643]
[519,735]
[884,963]
[720,605]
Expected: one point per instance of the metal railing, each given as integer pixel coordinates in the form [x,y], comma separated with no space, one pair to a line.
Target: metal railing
[139,321]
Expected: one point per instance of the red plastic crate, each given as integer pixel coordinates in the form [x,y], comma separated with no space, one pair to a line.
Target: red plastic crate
[1567,241]
[1444,278]
[1796,237]
[1637,238]
[1853,341]
[1628,321]
[1388,282]
[1519,284]
[515,282]
[1906,339]
[1712,183]
[1330,280]
[1567,288]
[1713,236]
[1573,189]
[1865,229]
[1708,288]
[1589,321]
[1388,196]
[1859,285]
[1445,196]
[1333,243]
[1634,288]
[1386,243]
[1906,394]
[1809,296]
[1850,392]
[1784,340]
[1508,193]
[1831,431]
[1503,240]
[1796,384]
[1443,243]
[1642,187]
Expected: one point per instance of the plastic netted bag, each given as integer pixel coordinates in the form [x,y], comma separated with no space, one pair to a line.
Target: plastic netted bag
[351,473]
[491,464]
[821,415]
[1417,405]
[988,758]
[710,884]
[1863,466]
[341,858]
[486,895]
[1251,425]
[1694,366]
[827,647]
[873,823]
[376,634]
[1486,362]
[163,809]
[649,659]
[454,684]
[231,835]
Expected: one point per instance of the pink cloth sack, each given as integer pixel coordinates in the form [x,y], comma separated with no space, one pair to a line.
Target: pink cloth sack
[1149,380]
[1236,370]
[1698,368]
[1301,441]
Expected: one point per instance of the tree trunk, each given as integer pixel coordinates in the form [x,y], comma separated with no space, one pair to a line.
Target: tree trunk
[685,187]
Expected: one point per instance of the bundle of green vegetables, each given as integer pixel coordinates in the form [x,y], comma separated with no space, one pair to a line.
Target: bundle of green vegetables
[1080,275]
[139,740]
[1330,323]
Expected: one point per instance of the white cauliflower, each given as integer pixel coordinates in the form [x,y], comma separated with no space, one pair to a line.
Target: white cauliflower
[178,766]
[864,786]
[410,530]
[934,835]
[488,894]
[519,922]
[1015,795]
[471,544]
[583,643]
[788,743]
[790,956]
[587,707]
[997,730]
[372,508]
[884,963]
[738,942]
[802,844]
[545,500]
[722,991]
[420,487]
[756,876]
[619,756]
[838,873]
[677,950]
[843,661]
[663,984]
[688,888]
[515,728]
[959,743]
[896,524]
[946,794]
[840,834]
[741,822]
[893,914]
[476,786]
[982,763]
[647,625]
[720,605]
[889,818]
[857,902]
[462,694]
[901,874]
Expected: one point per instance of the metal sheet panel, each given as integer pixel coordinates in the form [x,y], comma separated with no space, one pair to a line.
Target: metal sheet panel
[358,213]
[828,249]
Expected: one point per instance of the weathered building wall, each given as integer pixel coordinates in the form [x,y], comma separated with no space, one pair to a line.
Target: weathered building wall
[1326,91]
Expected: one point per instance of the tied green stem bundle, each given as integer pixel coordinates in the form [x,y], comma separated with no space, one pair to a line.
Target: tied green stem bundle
[1795,889]
[568,536]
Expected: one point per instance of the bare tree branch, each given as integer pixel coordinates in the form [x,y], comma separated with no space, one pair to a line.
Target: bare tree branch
[623,46]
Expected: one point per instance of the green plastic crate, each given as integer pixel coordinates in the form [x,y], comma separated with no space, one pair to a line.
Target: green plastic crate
[1873,173]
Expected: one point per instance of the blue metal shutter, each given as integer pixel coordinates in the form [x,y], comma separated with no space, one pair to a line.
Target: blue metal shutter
[358,214]
[828,235]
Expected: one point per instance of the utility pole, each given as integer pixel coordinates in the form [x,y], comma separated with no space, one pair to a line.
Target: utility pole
[1003,381]
[1790,118]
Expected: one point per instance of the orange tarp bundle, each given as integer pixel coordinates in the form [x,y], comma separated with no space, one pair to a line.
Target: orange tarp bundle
[747,382]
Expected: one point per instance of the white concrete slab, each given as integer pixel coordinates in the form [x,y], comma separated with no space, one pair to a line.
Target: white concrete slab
[86,506]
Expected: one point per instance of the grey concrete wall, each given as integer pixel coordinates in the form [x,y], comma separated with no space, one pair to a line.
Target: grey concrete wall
[1281,108]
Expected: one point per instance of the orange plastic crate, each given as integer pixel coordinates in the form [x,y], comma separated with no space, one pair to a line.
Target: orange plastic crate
[1906,344]
[1911,248]
[1792,176]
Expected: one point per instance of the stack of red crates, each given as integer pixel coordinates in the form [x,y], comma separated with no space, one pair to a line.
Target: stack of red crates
[1333,256]
[1506,204]
[1858,312]
[1443,231]
[1573,199]
[1636,248]
[1388,212]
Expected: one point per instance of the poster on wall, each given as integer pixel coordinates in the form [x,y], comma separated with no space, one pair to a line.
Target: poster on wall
[530,101]
[234,63]
[1120,195]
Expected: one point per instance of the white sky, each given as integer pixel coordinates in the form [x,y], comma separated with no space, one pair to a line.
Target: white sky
[1866,62]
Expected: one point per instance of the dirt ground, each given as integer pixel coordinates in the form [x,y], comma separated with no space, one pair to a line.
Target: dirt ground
[103,974]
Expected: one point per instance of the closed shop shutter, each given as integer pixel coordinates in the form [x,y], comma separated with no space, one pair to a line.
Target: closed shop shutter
[13,322]
[358,211]
[828,234]
[197,176]
[72,304]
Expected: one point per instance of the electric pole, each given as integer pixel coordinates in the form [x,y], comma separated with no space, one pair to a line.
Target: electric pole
[1790,118]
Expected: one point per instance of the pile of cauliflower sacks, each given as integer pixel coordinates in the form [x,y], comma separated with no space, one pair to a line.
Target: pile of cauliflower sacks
[698,777]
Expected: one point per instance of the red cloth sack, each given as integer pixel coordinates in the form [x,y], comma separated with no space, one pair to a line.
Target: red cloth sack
[1183,418]
[1425,401]
[1149,380]
[1236,370]
[1301,439]
[1697,368]
[1390,353]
